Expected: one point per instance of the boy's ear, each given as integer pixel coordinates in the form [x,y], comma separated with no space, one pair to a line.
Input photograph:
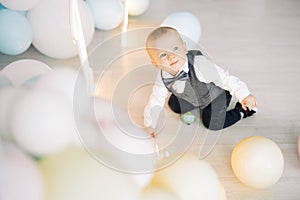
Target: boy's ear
[154,63]
[185,48]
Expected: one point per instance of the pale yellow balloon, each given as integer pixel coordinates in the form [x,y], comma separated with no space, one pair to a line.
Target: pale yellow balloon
[257,162]
[74,174]
[158,193]
[189,178]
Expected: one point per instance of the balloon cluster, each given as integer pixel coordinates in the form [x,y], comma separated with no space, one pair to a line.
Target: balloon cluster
[42,157]
[46,23]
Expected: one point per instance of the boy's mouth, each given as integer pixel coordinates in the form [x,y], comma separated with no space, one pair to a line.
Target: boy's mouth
[173,63]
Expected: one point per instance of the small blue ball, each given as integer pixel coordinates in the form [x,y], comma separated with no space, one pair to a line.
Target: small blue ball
[15,34]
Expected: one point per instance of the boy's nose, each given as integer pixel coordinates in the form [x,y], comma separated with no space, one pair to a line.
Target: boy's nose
[171,56]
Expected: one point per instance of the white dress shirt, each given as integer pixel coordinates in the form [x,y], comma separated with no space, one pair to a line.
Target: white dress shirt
[206,72]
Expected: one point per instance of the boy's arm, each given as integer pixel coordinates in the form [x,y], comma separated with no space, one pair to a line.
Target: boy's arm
[155,104]
[207,71]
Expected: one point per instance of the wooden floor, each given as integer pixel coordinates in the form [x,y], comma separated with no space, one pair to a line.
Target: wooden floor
[256,40]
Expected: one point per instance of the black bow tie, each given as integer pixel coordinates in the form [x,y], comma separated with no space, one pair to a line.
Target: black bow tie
[180,77]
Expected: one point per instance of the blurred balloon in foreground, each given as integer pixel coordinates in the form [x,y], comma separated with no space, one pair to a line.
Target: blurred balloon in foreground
[257,162]
[107,14]
[74,174]
[19,5]
[137,7]
[4,81]
[195,179]
[134,152]
[20,71]
[22,178]
[186,24]
[158,193]
[42,122]
[51,27]
[15,34]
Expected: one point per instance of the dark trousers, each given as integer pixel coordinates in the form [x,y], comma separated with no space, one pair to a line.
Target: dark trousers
[214,116]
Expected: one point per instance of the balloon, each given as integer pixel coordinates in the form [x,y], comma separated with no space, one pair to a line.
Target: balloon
[2,7]
[22,178]
[20,71]
[19,5]
[186,24]
[135,152]
[42,122]
[257,162]
[50,23]
[4,81]
[8,96]
[74,174]
[158,193]
[137,7]
[108,14]
[15,34]
[195,179]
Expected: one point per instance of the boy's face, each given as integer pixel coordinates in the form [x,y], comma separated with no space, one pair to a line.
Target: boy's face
[168,53]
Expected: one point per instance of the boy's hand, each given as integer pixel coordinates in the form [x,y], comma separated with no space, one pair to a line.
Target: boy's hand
[151,131]
[249,102]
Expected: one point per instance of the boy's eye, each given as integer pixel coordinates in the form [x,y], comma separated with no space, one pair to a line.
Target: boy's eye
[175,48]
[162,55]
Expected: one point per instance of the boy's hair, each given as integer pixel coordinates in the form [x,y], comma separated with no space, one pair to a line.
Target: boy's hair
[158,32]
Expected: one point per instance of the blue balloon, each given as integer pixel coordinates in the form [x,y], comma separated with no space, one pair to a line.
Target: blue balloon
[15,34]
[2,7]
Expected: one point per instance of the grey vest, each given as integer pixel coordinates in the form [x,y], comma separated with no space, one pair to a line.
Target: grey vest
[197,93]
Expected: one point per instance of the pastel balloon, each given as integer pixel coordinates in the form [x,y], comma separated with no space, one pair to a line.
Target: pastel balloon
[2,7]
[74,174]
[51,27]
[42,122]
[20,71]
[158,193]
[195,179]
[15,34]
[257,162]
[22,178]
[137,7]
[7,98]
[4,81]
[186,24]
[108,14]
[19,5]
[135,152]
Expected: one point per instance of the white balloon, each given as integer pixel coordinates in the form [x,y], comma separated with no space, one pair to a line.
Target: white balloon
[4,81]
[19,5]
[51,28]
[134,142]
[108,14]
[74,174]
[257,162]
[186,24]
[20,71]
[195,179]
[137,7]
[42,122]
[22,178]
[8,96]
